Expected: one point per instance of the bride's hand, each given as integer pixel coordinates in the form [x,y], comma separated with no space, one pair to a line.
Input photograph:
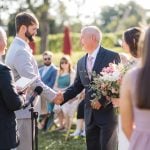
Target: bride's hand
[115,102]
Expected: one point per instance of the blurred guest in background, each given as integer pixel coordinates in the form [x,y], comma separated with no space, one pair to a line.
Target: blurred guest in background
[48,74]
[80,124]
[65,78]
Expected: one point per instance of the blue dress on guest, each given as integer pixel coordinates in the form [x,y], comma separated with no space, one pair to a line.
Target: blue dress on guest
[63,81]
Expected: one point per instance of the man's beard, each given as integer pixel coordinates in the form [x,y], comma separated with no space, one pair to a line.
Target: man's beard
[29,36]
[47,64]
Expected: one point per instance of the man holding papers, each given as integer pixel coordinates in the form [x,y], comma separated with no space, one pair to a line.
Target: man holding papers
[19,57]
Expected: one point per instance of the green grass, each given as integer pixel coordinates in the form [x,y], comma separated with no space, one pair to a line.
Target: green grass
[54,140]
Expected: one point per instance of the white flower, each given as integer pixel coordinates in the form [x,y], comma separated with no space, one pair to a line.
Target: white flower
[116,75]
[107,83]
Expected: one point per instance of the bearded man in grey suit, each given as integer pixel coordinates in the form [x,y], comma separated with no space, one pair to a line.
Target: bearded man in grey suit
[100,119]
[20,59]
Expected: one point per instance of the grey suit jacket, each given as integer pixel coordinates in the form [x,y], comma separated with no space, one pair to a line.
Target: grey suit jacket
[20,59]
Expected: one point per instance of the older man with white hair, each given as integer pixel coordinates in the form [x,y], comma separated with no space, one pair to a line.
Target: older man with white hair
[100,118]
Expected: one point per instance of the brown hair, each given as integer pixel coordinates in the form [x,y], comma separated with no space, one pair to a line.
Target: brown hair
[131,37]
[143,86]
[25,18]
[67,59]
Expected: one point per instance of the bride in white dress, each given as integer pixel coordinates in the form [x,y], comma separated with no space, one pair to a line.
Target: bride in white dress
[129,44]
[123,143]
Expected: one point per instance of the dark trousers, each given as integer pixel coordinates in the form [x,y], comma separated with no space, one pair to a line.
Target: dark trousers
[80,110]
[102,137]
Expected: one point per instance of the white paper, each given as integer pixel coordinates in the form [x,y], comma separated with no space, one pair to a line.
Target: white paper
[24,82]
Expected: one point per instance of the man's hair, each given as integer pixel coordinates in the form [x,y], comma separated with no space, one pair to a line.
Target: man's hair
[93,29]
[48,53]
[25,18]
[67,59]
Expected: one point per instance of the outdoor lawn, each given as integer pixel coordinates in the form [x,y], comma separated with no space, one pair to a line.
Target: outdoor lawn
[54,140]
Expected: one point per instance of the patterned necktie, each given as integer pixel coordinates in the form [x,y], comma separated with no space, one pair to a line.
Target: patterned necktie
[89,65]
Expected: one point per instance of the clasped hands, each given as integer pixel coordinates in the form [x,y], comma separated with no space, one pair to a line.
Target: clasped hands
[59,98]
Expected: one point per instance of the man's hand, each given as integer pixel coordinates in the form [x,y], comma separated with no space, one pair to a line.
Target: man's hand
[20,91]
[95,104]
[59,98]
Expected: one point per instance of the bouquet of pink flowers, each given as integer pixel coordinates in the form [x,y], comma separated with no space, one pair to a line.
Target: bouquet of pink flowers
[107,83]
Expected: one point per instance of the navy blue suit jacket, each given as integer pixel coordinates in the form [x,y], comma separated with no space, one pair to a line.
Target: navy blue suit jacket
[106,113]
[9,102]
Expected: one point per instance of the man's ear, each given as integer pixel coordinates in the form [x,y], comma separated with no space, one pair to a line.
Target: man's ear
[23,28]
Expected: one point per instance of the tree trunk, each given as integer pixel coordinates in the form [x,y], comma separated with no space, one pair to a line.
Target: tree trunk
[44,33]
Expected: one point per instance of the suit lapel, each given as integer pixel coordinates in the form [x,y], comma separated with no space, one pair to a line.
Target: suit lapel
[41,70]
[85,68]
[98,65]
[48,72]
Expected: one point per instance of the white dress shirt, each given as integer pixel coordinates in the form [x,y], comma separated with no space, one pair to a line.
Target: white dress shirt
[45,69]
[93,55]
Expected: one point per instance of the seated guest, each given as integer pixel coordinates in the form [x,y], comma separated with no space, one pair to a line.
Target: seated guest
[80,124]
[48,73]
[64,79]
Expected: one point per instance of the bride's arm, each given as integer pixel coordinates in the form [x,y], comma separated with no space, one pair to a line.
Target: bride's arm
[126,108]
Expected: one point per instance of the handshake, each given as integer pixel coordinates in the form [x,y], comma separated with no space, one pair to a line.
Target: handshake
[59,98]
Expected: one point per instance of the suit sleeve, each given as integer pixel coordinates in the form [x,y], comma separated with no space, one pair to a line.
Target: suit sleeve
[11,99]
[75,88]
[24,66]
